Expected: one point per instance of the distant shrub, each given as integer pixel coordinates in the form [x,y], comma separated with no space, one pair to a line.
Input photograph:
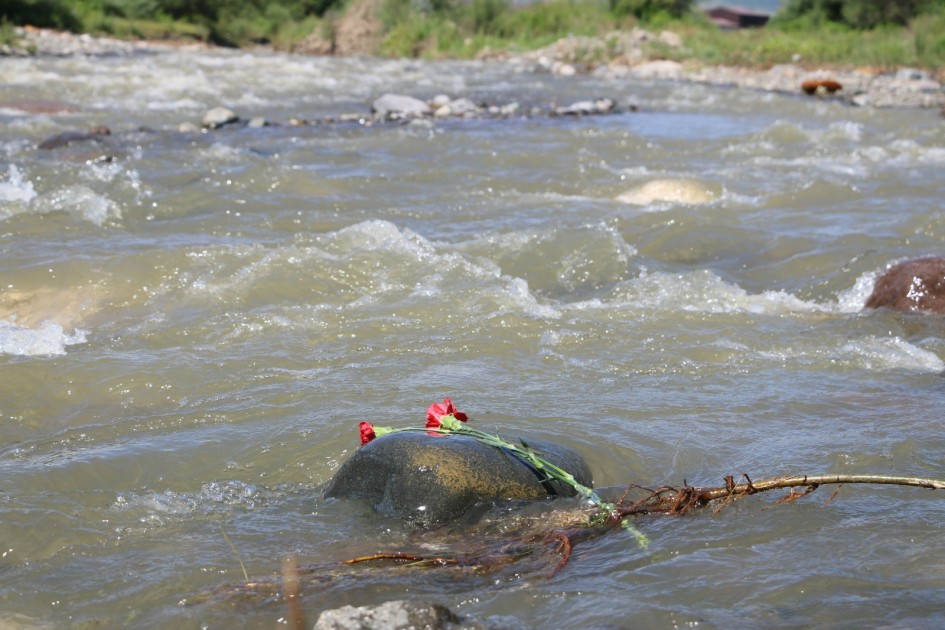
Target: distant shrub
[859,14]
[43,13]
[651,10]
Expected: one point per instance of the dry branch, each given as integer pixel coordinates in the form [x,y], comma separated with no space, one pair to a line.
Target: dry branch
[678,501]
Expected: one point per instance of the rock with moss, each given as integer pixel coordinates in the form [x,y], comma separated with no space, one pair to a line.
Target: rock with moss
[432,479]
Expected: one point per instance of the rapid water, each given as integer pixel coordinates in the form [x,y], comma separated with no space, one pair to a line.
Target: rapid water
[191,330]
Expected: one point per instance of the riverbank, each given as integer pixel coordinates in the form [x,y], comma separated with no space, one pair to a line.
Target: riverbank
[624,54]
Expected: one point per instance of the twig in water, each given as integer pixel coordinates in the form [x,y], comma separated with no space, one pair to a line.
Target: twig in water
[235,552]
[679,501]
[292,593]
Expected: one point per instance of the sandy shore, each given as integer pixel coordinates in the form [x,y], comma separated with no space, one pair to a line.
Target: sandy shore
[625,54]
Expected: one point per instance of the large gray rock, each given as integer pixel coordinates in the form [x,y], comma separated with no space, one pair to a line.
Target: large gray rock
[431,479]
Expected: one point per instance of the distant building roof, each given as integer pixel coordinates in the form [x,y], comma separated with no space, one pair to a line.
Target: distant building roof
[737,17]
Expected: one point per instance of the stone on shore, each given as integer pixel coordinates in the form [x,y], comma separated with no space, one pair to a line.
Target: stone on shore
[432,479]
[587,108]
[457,107]
[660,69]
[396,106]
[217,117]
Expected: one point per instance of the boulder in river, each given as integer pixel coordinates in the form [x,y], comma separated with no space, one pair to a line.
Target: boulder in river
[431,479]
[912,285]
[671,190]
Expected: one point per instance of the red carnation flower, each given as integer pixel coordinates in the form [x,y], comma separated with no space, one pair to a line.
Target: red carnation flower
[436,411]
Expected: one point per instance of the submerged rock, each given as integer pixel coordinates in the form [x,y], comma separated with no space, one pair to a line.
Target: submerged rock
[66,138]
[912,285]
[431,479]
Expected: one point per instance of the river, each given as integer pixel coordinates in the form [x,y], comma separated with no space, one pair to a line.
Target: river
[193,326]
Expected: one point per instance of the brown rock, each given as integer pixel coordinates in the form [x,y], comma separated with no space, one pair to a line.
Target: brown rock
[814,86]
[913,285]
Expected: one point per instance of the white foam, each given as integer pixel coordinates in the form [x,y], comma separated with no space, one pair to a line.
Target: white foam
[891,353]
[705,292]
[211,497]
[853,299]
[79,201]
[16,187]
[844,130]
[523,298]
[48,339]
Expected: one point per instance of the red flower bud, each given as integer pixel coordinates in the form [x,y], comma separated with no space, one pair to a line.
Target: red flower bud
[367,432]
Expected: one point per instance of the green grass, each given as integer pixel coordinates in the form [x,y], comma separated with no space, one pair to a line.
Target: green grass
[832,45]
[8,35]
[468,29]
[124,28]
[464,30]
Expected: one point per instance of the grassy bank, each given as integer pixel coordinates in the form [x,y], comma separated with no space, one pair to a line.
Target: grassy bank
[807,32]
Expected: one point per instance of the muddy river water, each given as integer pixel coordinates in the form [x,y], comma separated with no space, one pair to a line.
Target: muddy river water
[192,325]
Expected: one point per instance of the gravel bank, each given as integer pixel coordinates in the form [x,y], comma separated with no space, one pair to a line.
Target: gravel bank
[626,56]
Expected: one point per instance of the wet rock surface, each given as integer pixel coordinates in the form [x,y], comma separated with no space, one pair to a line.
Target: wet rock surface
[432,479]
